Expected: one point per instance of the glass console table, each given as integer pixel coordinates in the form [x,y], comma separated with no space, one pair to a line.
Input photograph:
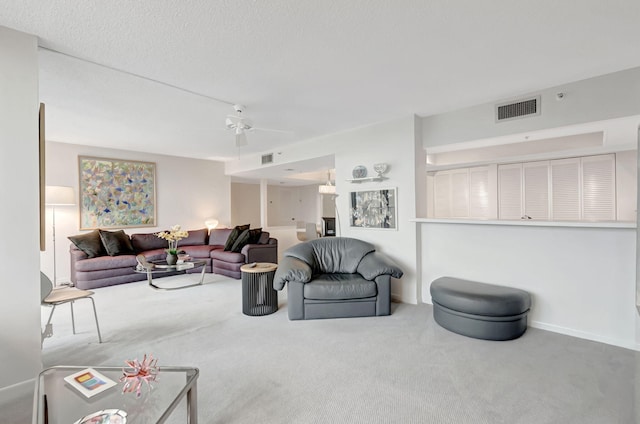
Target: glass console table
[56,402]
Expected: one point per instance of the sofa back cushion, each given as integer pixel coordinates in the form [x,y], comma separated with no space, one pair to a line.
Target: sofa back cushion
[143,242]
[116,242]
[195,238]
[219,236]
[254,235]
[233,236]
[89,243]
[331,254]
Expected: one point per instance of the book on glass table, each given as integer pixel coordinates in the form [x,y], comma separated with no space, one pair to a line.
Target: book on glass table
[89,382]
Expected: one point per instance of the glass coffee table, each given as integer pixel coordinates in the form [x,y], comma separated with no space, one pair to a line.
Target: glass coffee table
[55,401]
[161,267]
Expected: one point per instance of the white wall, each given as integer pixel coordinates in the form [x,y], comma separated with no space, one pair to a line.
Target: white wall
[245,204]
[287,205]
[601,98]
[581,279]
[188,191]
[20,358]
[396,143]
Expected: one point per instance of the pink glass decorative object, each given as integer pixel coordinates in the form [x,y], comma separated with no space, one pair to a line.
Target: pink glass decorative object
[137,373]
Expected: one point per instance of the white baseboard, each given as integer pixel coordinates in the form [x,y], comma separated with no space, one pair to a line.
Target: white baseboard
[627,344]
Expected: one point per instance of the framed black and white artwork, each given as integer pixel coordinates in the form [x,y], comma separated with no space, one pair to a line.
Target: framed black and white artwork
[374,209]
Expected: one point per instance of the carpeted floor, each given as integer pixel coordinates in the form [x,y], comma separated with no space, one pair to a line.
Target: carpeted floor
[403,368]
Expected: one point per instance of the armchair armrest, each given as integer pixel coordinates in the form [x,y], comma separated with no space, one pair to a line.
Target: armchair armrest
[375,264]
[289,270]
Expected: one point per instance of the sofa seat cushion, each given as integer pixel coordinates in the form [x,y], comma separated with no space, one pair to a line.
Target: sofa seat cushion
[196,251]
[107,262]
[339,287]
[476,298]
[231,257]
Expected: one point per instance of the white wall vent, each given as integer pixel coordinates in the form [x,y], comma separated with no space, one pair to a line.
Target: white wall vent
[518,109]
[268,158]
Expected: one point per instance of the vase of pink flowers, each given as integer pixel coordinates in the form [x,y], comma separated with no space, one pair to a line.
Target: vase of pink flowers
[172,237]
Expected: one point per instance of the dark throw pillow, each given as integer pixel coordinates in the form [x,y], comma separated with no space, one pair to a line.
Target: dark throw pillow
[254,235]
[264,238]
[241,241]
[89,243]
[234,235]
[116,242]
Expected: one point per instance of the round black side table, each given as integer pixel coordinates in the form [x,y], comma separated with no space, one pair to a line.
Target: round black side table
[258,295]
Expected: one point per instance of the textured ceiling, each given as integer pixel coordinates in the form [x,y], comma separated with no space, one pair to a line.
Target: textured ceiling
[310,67]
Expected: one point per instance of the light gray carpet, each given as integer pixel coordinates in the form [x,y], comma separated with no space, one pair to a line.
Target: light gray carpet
[398,369]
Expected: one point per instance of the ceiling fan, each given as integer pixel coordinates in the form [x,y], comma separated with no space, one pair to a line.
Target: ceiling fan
[241,125]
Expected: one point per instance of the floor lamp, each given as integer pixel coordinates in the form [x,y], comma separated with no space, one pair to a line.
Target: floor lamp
[58,196]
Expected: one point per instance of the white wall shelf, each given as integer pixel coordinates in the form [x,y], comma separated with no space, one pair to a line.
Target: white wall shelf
[367,179]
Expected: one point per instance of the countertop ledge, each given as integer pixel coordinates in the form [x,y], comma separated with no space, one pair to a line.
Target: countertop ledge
[528,223]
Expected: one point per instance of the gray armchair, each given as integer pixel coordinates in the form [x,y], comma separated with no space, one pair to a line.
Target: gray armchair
[336,277]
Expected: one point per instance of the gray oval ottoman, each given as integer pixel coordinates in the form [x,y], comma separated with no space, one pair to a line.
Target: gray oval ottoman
[480,310]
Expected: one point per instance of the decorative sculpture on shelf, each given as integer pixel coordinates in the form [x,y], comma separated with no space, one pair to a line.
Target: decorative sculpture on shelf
[380,168]
[136,373]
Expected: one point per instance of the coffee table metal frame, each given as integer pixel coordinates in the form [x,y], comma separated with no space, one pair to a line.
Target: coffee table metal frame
[161,267]
[54,399]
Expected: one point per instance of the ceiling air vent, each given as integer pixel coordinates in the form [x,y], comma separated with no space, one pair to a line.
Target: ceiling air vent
[518,109]
[268,158]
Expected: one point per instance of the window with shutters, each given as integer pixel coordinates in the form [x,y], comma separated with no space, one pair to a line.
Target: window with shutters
[574,189]
[535,176]
[462,193]
[565,189]
[598,188]
[510,191]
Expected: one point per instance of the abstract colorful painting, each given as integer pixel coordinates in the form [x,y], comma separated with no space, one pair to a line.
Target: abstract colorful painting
[374,209]
[116,193]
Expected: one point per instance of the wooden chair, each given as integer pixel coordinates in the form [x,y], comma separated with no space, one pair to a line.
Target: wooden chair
[53,297]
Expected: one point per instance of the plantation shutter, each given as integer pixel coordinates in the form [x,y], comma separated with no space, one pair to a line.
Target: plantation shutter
[536,189]
[441,191]
[460,193]
[510,191]
[565,189]
[479,193]
[598,188]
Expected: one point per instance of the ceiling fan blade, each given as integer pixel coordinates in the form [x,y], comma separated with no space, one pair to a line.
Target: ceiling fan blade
[241,139]
[229,123]
[272,130]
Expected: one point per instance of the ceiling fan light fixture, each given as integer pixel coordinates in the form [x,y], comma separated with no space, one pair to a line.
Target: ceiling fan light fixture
[241,138]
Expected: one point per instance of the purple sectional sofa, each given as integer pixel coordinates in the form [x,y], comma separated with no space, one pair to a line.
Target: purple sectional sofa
[106,270]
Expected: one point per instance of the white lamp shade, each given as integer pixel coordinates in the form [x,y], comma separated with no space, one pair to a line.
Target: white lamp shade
[211,223]
[59,196]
